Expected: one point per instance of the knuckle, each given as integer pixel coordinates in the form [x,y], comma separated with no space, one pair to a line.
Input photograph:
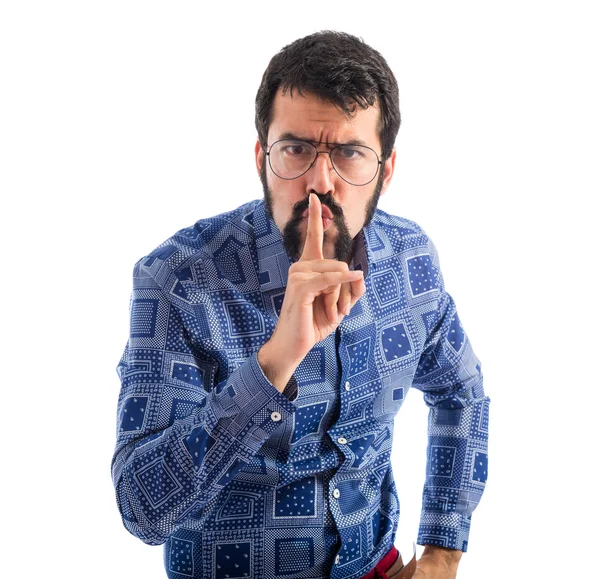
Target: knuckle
[338,266]
[334,265]
[294,277]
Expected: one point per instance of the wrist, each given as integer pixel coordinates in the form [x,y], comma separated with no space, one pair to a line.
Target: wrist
[442,557]
[277,369]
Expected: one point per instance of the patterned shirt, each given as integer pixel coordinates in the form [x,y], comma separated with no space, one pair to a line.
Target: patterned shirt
[240,480]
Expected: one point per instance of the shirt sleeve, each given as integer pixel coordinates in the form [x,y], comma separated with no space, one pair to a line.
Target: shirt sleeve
[449,375]
[181,435]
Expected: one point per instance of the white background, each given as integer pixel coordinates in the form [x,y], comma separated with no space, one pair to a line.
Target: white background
[122,122]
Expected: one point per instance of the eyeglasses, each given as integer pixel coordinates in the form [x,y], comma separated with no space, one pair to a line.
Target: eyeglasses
[355,164]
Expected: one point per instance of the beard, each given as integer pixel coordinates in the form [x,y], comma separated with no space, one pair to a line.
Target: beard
[292,238]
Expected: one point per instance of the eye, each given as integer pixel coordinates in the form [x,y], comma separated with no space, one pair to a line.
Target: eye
[349,153]
[296,149]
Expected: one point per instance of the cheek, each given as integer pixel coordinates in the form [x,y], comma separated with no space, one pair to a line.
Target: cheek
[286,194]
[283,205]
[355,218]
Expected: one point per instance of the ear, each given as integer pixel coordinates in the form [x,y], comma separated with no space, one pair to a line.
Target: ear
[388,171]
[259,155]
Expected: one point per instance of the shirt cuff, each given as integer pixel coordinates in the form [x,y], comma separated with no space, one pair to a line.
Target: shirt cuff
[448,530]
[254,405]
[291,389]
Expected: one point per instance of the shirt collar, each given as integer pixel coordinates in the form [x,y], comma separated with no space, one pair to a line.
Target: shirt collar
[274,262]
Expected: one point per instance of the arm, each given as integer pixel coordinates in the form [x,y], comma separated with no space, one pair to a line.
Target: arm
[181,437]
[449,375]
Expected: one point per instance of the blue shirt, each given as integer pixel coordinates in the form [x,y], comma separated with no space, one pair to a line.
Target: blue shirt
[240,480]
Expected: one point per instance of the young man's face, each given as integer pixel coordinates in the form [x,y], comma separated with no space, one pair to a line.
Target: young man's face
[351,207]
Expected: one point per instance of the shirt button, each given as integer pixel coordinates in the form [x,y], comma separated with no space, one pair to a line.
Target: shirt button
[347,386]
[337,559]
[275,416]
[342,440]
[336,493]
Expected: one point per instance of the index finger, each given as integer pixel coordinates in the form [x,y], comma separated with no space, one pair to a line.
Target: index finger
[313,245]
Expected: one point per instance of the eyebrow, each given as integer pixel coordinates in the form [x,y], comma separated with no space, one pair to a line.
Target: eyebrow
[295,137]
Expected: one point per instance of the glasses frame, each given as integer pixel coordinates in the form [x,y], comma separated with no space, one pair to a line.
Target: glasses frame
[317,153]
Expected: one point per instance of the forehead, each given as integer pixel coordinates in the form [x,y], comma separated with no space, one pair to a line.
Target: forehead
[311,118]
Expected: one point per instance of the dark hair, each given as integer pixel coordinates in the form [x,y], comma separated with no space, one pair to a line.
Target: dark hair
[339,68]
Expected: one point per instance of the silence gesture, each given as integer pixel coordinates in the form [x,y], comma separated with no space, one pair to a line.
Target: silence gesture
[319,293]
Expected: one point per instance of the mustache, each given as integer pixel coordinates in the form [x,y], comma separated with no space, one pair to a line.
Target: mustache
[300,207]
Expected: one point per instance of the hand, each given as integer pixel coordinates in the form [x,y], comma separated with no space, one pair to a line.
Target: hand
[317,296]
[437,563]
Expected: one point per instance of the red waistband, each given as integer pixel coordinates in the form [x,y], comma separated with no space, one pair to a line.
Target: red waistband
[388,560]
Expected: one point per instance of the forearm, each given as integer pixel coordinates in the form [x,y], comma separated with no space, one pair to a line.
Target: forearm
[163,478]
[456,473]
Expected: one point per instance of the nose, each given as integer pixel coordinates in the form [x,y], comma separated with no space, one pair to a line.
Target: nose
[320,176]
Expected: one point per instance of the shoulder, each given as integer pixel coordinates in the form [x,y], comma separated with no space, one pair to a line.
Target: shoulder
[202,240]
[400,232]
[411,246]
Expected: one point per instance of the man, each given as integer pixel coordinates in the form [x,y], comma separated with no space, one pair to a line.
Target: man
[272,346]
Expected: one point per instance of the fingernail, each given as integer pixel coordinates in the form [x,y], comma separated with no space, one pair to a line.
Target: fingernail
[347,310]
[309,199]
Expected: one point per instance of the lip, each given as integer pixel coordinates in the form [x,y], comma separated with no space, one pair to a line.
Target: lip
[325,212]
[326,222]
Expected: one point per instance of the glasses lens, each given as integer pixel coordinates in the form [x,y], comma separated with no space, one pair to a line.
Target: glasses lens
[356,164]
[289,159]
